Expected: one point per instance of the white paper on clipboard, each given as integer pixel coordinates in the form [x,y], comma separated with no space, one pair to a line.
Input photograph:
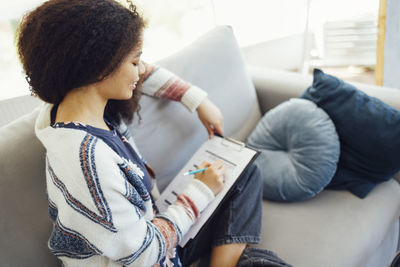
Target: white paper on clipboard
[236,157]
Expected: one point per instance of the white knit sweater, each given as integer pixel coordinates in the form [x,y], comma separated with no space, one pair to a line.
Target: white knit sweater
[100,219]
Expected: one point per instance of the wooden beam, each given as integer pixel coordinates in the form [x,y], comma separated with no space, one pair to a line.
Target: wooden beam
[380,53]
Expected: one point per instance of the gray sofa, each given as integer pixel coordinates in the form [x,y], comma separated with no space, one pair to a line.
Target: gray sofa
[333,229]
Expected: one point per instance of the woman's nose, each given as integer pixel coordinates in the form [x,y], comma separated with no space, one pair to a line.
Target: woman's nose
[142,68]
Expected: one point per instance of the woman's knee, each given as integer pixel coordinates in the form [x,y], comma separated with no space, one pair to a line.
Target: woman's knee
[251,180]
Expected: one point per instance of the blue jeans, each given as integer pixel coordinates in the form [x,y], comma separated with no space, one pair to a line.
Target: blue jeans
[236,220]
[257,257]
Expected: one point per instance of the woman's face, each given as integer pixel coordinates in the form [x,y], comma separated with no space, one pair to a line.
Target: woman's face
[119,85]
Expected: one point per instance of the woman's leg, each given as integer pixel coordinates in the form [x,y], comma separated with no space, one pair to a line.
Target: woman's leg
[226,255]
[237,221]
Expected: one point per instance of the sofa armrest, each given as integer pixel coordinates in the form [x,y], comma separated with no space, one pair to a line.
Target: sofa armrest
[275,86]
[397,177]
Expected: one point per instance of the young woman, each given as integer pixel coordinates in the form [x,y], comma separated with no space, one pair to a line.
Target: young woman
[82,57]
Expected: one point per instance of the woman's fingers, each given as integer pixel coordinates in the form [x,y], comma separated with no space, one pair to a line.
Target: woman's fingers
[214,128]
[211,117]
[218,164]
[219,128]
[213,177]
[210,130]
[219,167]
[204,164]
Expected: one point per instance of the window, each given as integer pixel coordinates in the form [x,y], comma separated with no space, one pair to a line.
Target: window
[271,33]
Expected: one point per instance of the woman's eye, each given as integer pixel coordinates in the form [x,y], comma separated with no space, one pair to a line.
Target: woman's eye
[135,64]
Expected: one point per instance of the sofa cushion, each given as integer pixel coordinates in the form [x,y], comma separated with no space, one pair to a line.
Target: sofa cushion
[24,220]
[169,134]
[299,150]
[335,228]
[13,108]
[368,129]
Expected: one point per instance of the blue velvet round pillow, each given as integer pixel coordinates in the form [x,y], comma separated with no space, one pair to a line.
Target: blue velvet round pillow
[299,150]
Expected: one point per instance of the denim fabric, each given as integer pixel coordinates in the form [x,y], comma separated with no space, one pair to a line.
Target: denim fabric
[396,261]
[256,257]
[237,219]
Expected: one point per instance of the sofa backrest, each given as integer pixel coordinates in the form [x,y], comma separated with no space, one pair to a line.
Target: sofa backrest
[167,137]
[275,86]
[169,134]
[24,221]
[13,108]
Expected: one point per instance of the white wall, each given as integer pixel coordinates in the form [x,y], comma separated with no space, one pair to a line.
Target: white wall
[285,53]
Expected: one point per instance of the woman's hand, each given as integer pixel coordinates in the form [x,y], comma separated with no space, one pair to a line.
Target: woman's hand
[213,177]
[211,117]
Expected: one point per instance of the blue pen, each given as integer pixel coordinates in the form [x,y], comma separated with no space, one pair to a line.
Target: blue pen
[196,171]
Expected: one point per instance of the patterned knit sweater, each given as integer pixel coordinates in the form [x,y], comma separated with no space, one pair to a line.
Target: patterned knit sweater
[102,212]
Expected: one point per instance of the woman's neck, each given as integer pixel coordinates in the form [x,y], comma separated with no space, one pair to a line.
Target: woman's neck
[84,105]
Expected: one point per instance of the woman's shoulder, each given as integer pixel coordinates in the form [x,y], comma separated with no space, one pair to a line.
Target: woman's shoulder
[69,142]
[73,142]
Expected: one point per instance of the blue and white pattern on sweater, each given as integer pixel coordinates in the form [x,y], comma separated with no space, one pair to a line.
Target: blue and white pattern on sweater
[151,232]
[67,242]
[137,193]
[100,206]
[88,165]
[89,169]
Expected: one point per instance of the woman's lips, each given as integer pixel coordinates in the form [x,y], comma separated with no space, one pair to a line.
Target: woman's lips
[133,85]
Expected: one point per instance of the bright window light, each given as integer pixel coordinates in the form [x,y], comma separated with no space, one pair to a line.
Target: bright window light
[173,24]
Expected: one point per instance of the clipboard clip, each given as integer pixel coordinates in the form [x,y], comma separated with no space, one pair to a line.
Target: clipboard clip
[227,141]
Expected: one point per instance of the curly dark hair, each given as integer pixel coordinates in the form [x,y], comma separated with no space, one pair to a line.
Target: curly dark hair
[66,44]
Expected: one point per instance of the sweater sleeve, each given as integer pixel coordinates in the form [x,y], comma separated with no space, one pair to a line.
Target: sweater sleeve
[111,216]
[160,82]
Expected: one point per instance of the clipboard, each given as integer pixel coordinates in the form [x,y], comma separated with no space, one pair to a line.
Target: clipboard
[237,158]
